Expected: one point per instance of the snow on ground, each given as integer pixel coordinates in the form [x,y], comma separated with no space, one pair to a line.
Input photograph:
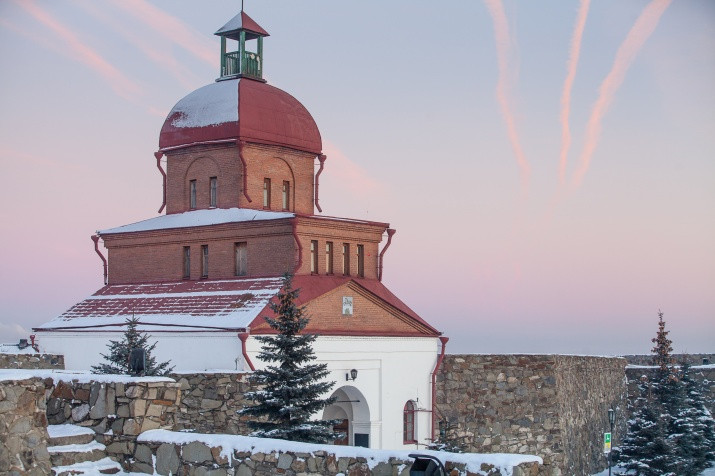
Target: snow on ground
[14,349]
[231,443]
[80,377]
[617,471]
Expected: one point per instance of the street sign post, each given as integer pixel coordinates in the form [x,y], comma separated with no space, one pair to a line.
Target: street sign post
[607,443]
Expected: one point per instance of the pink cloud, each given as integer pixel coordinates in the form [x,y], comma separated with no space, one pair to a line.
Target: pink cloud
[574,54]
[636,38]
[172,28]
[503,44]
[79,51]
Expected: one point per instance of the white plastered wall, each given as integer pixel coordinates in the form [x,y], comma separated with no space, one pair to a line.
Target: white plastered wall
[391,371]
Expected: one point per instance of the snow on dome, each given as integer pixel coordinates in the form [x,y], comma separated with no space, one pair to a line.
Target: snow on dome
[213,216]
[268,115]
[213,104]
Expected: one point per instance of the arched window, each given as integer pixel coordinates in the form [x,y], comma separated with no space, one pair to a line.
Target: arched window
[408,423]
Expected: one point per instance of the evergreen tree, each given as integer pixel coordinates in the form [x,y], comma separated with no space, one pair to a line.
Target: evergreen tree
[448,439]
[118,357]
[692,429]
[291,385]
[644,450]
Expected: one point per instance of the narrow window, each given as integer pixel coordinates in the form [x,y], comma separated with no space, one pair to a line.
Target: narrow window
[286,195]
[346,259]
[329,257]
[192,194]
[266,193]
[213,181]
[361,260]
[408,423]
[314,256]
[241,259]
[204,261]
[187,262]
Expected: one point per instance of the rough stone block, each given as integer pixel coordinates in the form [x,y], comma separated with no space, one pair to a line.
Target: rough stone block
[196,452]
[167,459]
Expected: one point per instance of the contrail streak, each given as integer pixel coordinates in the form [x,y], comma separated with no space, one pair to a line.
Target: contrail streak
[574,54]
[503,43]
[122,85]
[637,36]
[171,27]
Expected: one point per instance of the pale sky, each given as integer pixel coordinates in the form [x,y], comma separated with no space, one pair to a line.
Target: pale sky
[445,119]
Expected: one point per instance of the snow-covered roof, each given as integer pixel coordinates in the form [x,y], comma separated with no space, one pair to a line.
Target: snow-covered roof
[184,305]
[241,22]
[212,216]
[213,104]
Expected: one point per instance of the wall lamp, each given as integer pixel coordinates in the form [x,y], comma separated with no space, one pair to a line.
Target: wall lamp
[351,376]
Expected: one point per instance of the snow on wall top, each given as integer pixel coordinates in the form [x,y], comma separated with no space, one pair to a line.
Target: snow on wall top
[231,443]
[213,216]
[80,377]
[210,105]
[185,305]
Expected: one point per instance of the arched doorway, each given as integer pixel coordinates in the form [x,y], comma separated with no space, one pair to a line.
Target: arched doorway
[351,409]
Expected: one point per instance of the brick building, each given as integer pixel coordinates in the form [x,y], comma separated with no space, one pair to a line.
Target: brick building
[241,162]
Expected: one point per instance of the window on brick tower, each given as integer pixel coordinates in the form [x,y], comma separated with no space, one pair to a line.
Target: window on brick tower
[204,261]
[314,256]
[329,257]
[286,195]
[408,423]
[187,262]
[192,194]
[361,260]
[241,258]
[213,182]
[346,259]
[266,193]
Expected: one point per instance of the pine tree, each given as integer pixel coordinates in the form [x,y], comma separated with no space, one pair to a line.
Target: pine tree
[644,450]
[292,386]
[448,439]
[692,430]
[118,357]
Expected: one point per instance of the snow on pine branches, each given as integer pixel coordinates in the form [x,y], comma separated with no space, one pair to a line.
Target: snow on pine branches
[291,386]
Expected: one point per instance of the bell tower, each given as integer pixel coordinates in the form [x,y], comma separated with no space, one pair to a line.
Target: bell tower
[242,63]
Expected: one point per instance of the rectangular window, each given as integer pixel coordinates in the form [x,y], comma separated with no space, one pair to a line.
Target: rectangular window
[361,260]
[314,256]
[192,194]
[241,258]
[346,259]
[266,193]
[213,181]
[204,261]
[187,262]
[286,195]
[329,257]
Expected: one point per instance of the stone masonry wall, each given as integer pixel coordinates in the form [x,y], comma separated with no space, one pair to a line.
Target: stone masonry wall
[125,408]
[648,359]
[209,402]
[164,455]
[32,361]
[547,405]
[586,388]
[23,428]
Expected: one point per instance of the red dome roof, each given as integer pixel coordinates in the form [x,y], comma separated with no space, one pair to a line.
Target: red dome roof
[241,109]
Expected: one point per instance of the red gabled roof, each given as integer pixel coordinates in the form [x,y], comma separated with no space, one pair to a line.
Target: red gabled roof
[314,286]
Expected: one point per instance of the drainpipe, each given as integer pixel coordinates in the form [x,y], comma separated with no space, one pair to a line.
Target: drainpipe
[390,232]
[245,171]
[443,340]
[244,336]
[95,238]
[33,343]
[321,158]
[300,247]
[159,154]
